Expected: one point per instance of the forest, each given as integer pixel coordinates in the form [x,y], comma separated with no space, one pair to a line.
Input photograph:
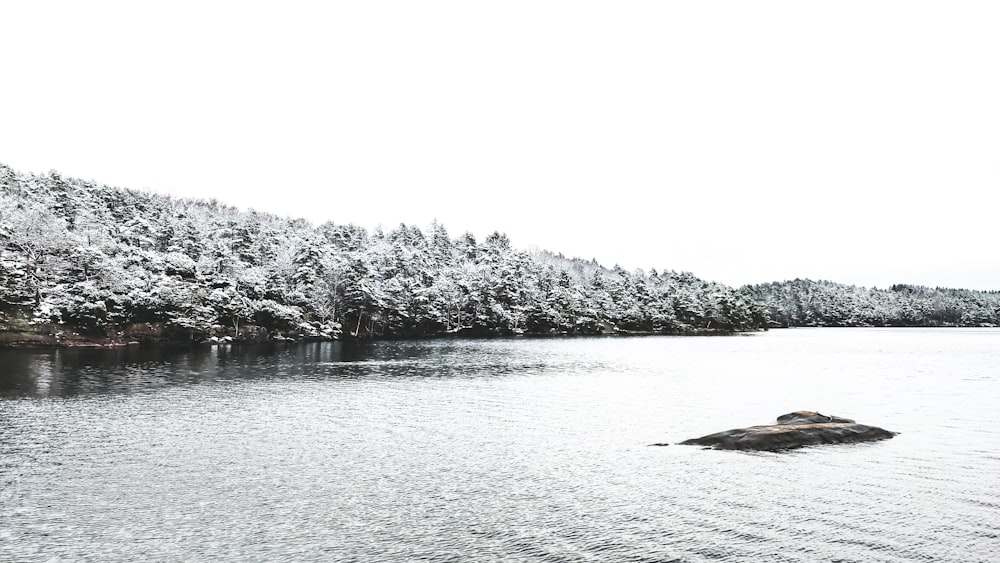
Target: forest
[81,258]
[824,303]
[93,259]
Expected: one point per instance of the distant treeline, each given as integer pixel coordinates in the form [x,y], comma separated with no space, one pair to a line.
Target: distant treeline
[92,259]
[824,303]
[88,258]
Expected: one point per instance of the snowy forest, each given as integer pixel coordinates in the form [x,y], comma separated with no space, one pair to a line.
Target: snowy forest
[81,258]
[824,303]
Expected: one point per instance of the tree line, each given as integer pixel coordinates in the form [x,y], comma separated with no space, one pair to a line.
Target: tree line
[823,303]
[79,256]
[95,259]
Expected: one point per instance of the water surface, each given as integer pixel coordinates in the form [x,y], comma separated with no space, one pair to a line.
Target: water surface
[512,449]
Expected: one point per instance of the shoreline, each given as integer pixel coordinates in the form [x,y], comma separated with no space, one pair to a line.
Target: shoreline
[19,339]
[65,340]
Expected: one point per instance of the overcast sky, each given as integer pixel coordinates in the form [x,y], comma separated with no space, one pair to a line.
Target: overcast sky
[742,141]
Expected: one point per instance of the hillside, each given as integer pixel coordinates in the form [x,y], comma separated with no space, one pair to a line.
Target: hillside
[80,260]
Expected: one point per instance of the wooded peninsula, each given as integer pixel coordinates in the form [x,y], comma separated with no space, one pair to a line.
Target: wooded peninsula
[83,263]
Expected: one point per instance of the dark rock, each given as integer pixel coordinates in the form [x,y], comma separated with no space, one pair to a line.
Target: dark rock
[793,430]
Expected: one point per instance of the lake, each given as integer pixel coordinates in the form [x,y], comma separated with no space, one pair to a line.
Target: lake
[514,449]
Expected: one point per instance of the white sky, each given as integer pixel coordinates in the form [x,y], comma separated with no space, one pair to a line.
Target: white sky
[857,141]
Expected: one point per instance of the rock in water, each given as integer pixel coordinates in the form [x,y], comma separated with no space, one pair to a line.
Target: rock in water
[793,430]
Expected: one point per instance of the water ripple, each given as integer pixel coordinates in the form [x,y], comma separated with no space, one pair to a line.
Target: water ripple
[519,450]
